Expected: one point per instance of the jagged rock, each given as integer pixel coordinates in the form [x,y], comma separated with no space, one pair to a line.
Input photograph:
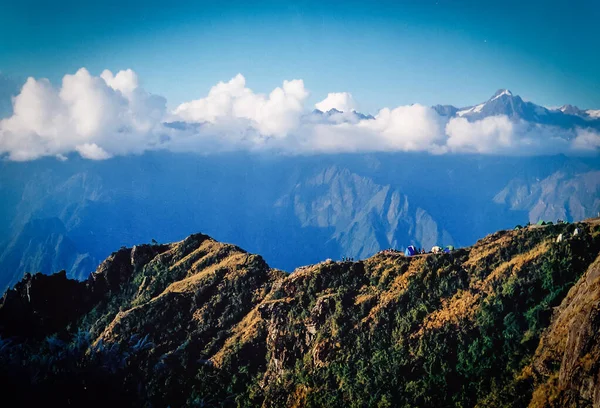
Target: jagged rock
[142,254]
[112,273]
[322,351]
[322,308]
[42,304]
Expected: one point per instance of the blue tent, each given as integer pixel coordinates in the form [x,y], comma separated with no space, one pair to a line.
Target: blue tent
[410,251]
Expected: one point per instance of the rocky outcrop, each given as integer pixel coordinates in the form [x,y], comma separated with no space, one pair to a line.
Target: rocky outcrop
[44,304]
[117,269]
[41,305]
[282,345]
[567,361]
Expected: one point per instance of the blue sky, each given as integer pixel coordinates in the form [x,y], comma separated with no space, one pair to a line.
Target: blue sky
[384,53]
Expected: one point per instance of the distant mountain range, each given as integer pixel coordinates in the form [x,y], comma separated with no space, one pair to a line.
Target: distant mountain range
[295,210]
[504,102]
[337,115]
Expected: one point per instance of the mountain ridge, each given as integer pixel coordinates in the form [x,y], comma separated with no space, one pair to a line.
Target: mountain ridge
[198,322]
[504,102]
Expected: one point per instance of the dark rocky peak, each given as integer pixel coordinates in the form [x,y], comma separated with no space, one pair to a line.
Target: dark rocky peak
[42,304]
[118,268]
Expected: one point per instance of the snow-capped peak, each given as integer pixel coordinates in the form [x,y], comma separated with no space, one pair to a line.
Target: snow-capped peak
[505,103]
[567,107]
[501,92]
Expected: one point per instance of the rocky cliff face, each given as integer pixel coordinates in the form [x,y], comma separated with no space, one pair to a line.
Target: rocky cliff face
[558,196]
[201,323]
[364,216]
[567,361]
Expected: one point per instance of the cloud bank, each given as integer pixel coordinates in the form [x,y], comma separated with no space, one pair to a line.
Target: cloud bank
[111,114]
[95,116]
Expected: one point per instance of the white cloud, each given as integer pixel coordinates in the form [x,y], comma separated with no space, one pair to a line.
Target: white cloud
[102,116]
[92,151]
[483,136]
[586,140]
[501,135]
[342,101]
[125,81]
[272,115]
[406,128]
[109,112]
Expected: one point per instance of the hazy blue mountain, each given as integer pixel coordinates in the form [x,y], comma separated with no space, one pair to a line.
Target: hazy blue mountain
[572,110]
[364,216]
[293,210]
[558,196]
[43,245]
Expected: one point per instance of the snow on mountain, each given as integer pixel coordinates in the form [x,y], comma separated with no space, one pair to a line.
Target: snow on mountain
[501,93]
[572,110]
[504,102]
[474,109]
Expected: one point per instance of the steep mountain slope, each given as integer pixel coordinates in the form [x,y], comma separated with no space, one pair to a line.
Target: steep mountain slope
[202,323]
[567,361]
[365,217]
[558,196]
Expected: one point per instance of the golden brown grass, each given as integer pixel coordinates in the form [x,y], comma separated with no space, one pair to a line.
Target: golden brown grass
[464,305]
[396,288]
